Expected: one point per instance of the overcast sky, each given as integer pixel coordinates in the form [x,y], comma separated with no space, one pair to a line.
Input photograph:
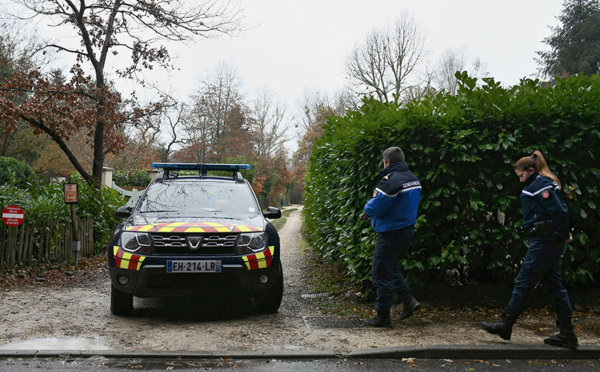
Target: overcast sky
[300,45]
[303,44]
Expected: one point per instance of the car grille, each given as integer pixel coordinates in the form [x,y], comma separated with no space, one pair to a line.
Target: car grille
[214,243]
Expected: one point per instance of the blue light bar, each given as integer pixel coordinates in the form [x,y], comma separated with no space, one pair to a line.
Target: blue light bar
[201,166]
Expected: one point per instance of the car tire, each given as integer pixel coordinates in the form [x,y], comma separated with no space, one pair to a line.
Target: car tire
[121,303]
[269,301]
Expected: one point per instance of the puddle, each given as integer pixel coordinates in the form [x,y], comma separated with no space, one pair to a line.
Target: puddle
[69,343]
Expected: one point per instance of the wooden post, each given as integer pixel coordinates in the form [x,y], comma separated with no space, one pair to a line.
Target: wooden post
[71,198]
[76,242]
[12,243]
[21,246]
[3,247]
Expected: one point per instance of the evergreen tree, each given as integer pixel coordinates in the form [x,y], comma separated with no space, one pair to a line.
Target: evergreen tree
[575,44]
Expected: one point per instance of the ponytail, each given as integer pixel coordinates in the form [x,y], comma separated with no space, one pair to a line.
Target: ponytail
[537,162]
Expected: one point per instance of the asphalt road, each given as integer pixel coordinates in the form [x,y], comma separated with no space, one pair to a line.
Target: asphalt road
[330,365]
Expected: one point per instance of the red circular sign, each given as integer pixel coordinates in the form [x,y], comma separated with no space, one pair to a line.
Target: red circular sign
[13,215]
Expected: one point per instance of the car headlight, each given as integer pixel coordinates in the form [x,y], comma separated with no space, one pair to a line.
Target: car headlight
[140,243]
[249,243]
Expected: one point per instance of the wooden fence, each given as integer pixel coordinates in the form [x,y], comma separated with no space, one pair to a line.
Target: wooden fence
[52,241]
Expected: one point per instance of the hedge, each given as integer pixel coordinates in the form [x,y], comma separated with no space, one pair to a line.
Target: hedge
[462,147]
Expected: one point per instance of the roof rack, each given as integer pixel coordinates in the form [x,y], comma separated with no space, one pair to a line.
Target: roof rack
[203,168]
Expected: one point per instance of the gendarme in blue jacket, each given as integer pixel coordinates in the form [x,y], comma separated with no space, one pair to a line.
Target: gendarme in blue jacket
[395,201]
[541,201]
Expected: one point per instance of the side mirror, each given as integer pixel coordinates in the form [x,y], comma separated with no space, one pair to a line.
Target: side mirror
[123,212]
[272,212]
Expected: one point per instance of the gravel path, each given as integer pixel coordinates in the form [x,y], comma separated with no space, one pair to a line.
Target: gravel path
[78,316]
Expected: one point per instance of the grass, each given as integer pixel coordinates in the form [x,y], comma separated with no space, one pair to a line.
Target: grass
[339,297]
[287,212]
[280,222]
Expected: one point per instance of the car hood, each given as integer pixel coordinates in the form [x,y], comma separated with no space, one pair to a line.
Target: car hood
[161,223]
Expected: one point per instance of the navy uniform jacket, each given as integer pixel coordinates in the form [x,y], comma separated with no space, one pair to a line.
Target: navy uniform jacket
[541,201]
[395,201]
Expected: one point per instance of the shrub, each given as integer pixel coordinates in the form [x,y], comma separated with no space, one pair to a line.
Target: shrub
[16,173]
[462,148]
[137,177]
[46,203]
[101,206]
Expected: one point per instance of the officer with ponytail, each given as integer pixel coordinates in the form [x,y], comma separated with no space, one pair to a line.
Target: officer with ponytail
[546,223]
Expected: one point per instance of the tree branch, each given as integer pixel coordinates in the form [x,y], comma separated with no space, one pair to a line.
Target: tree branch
[63,146]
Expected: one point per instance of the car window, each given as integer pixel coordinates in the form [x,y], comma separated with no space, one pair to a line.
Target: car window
[199,198]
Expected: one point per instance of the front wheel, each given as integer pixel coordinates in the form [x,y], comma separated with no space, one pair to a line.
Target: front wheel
[268,302]
[121,303]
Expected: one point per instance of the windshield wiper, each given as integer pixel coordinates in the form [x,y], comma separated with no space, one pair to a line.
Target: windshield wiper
[161,211]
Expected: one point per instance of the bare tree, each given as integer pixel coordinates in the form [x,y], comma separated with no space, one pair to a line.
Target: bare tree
[103,29]
[314,106]
[450,62]
[175,119]
[268,129]
[197,127]
[345,100]
[215,111]
[479,68]
[384,64]
[453,61]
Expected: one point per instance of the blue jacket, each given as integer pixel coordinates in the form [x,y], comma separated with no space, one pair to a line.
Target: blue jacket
[541,201]
[395,201]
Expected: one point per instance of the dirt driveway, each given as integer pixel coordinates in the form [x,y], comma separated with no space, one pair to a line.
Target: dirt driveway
[61,314]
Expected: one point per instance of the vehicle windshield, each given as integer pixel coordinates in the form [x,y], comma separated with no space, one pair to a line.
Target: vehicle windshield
[200,198]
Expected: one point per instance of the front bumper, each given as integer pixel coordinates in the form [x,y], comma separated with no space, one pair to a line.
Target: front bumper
[153,280]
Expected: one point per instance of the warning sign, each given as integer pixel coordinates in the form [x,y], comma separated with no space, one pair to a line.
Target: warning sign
[13,215]
[70,193]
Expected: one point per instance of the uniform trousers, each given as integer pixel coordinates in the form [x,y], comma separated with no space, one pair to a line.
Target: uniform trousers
[386,275]
[542,264]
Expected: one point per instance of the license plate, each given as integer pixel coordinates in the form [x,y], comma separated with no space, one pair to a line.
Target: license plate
[194,266]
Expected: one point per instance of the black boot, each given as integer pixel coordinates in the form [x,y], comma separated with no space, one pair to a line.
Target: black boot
[409,306]
[379,321]
[566,337]
[502,328]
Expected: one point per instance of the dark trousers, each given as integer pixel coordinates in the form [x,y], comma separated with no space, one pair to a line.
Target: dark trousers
[542,264]
[386,275]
